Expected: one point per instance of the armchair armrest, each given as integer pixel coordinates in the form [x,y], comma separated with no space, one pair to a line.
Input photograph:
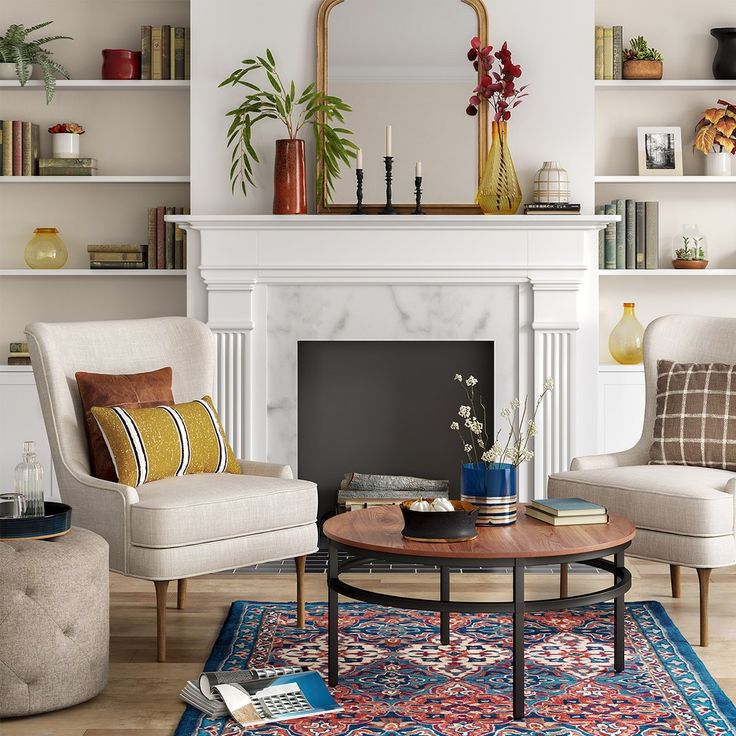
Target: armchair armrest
[633,456]
[269,470]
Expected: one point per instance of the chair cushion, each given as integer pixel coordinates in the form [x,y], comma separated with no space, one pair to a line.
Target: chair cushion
[131,391]
[192,509]
[165,441]
[696,415]
[676,499]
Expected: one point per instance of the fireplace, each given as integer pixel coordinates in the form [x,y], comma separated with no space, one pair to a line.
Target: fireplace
[384,406]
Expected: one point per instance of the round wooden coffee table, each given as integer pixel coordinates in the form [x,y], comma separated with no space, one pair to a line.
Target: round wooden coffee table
[375,534]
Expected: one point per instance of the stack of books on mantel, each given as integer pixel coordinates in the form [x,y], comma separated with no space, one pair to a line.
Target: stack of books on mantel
[117,255]
[363,490]
[567,511]
[19,354]
[552,208]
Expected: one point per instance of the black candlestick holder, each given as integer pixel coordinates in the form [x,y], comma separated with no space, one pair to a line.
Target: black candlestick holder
[418,196]
[389,208]
[359,192]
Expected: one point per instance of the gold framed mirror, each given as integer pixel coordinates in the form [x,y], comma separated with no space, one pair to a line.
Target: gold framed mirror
[403,63]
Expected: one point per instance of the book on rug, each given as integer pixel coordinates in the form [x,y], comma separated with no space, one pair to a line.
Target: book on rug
[566,520]
[257,696]
[568,506]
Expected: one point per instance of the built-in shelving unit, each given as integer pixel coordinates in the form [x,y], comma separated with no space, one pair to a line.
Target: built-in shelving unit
[665,180]
[669,273]
[665,84]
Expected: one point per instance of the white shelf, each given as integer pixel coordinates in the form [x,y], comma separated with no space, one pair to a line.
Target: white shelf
[89,272]
[666,272]
[15,368]
[619,368]
[100,84]
[665,179]
[665,84]
[94,179]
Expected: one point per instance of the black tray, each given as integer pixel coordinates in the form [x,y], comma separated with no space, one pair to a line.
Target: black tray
[440,526]
[56,521]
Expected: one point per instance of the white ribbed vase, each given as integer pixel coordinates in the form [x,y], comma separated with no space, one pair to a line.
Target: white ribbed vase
[551,184]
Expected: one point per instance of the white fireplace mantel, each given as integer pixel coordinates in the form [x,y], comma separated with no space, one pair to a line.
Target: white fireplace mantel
[529,283]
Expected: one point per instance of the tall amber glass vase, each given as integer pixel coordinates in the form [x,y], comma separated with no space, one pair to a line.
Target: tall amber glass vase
[499,192]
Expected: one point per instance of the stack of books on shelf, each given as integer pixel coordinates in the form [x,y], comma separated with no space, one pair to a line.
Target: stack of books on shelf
[567,511]
[117,255]
[19,144]
[164,52]
[167,243]
[609,52]
[551,208]
[634,241]
[19,354]
[67,167]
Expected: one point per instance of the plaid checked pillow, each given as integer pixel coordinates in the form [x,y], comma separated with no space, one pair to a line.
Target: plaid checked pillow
[696,415]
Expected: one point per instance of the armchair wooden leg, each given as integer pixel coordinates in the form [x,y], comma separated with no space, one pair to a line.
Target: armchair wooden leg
[162,587]
[704,580]
[675,580]
[300,590]
[563,579]
[181,593]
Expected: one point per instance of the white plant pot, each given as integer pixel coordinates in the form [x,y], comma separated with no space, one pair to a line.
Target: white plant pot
[551,184]
[65,145]
[718,164]
[7,70]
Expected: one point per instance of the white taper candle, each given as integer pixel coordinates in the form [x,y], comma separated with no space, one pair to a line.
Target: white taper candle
[388,140]
[359,160]
[418,169]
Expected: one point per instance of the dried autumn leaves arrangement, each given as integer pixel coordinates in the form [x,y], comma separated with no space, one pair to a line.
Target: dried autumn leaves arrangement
[716,131]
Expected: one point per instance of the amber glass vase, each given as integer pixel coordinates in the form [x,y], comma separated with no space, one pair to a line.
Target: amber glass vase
[499,192]
[627,338]
[46,249]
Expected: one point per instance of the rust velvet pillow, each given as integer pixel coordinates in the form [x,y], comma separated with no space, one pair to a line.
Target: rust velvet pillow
[134,391]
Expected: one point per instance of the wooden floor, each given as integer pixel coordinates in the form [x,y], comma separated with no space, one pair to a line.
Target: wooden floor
[141,697]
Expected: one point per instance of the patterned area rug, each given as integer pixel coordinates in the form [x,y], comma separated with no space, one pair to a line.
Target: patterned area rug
[395,678]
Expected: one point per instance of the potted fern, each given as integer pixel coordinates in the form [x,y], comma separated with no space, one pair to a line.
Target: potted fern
[18,56]
[641,61]
[280,102]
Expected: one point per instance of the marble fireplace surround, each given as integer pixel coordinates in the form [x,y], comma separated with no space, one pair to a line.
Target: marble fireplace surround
[530,284]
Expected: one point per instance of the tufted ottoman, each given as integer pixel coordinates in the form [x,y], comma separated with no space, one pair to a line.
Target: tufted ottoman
[54,624]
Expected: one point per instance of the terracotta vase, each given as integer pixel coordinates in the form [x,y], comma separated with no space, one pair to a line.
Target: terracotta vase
[643,69]
[499,192]
[289,178]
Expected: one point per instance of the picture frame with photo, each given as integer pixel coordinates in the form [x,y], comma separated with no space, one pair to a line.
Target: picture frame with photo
[660,151]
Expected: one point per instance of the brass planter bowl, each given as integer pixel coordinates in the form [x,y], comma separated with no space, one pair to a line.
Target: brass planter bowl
[440,526]
[641,69]
[682,263]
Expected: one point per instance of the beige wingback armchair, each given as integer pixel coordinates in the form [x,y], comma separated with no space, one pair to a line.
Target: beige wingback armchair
[684,515]
[176,528]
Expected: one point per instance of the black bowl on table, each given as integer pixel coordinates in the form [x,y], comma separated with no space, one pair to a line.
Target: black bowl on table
[440,526]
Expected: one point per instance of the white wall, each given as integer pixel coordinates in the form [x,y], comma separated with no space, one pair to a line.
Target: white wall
[554,48]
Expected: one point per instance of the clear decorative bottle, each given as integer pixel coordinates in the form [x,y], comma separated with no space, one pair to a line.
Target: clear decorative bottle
[627,337]
[29,480]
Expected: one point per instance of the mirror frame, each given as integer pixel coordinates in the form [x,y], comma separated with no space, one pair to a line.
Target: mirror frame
[323,206]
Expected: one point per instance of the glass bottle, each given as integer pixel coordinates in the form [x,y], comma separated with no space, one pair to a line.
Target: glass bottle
[690,248]
[627,337]
[29,480]
[499,192]
[46,249]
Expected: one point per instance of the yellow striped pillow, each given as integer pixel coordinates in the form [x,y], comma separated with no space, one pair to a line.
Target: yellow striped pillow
[165,441]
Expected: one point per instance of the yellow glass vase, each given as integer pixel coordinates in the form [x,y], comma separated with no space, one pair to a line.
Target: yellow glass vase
[627,338]
[46,249]
[499,192]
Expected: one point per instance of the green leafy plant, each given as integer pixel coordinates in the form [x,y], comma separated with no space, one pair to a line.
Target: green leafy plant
[639,50]
[691,250]
[16,49]
[281,102]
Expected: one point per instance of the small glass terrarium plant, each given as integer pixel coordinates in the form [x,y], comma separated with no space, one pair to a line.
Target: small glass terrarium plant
[690,248]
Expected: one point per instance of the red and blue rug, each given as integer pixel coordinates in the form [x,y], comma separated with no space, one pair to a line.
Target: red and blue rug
[395,678]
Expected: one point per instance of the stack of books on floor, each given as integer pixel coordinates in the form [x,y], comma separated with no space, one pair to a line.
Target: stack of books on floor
[567,511]
[67,167]
[634,241]
[551,208]
[167,243]
[364,490]
[609,52]
[117,255]
[164,52]
[19,354]
[19,145]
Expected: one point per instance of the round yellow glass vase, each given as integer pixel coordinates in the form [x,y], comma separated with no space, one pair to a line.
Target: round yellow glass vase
[499,192]
[46,249]
[627,338]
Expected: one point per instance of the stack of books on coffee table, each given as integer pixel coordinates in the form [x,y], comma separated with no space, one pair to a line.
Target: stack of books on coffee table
[567,511]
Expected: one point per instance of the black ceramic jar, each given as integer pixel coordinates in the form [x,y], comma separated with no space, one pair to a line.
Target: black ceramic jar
[724,63]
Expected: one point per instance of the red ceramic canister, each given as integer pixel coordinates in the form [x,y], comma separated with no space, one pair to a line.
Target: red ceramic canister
[121,64]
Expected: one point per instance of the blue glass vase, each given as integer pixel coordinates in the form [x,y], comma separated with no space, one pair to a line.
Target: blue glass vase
[492,490]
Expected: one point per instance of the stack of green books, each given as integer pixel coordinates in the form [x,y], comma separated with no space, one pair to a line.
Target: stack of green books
[567,511]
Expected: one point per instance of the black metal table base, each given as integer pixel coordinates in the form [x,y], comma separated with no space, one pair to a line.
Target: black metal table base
[445,605]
